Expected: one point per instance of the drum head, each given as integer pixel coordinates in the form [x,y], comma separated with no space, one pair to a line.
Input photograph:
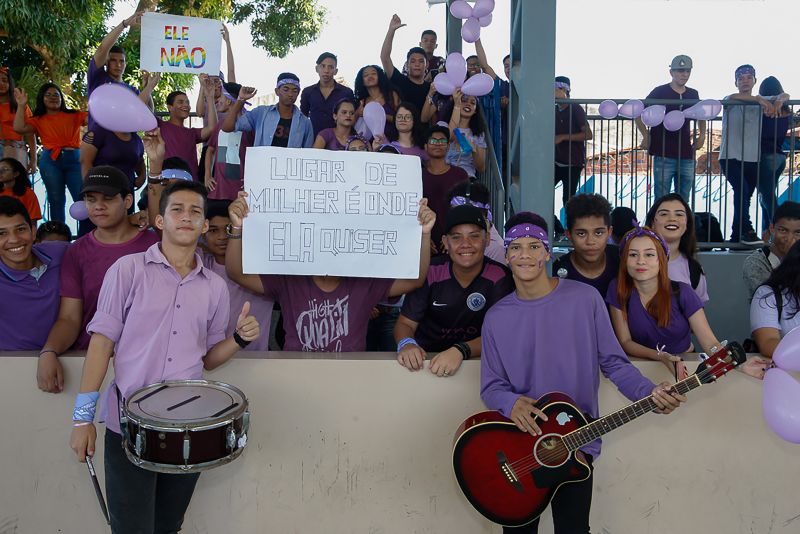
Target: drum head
[186,403]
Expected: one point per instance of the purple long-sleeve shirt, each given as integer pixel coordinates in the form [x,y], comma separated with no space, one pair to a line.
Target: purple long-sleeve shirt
[161,324]
[559,342]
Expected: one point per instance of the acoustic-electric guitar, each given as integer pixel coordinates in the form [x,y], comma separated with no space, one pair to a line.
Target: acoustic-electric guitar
[510,476]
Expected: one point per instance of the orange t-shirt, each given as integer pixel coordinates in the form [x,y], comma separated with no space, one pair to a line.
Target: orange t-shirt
[7,132]
[59,130]
[30,201]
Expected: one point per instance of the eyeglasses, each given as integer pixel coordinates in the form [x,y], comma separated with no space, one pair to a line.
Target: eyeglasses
[404,117]
[437,141]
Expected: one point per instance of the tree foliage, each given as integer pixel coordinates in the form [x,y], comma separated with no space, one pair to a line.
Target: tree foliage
[55,40]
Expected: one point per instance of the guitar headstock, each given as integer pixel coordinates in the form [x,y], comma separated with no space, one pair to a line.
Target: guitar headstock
[718,364]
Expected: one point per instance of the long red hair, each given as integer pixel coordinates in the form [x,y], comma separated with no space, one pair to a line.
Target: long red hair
[660,305]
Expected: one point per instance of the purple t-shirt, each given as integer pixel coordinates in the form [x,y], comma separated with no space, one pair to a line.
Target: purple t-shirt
[320,109]
[559,342]
[182,142]
[260,307]
[331,142]
[111,150]
[29,299]
[162,324]
[97,76]
[563,268]
[644,329]
[435,188]
[316,321]
[570,120]
[675,145]
[84,266]
[413,151]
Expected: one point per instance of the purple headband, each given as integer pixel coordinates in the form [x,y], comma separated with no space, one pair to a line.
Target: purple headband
[232,98]
[461,201]
[526,230]
[744,69]
[641,231]
[561,85]
[357,137]
[287,81]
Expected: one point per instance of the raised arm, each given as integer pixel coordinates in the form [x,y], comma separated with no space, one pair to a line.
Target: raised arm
[426,218]
[149,82]
[231,65]
[237,212]
[19,118]
[208,89]
[101,54]
[386,49]
[481,53]
[229,122]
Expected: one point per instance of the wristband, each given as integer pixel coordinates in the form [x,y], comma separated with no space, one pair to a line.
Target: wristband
[464,349]
[85,406]
[406,341]
[239,341]
[49,350]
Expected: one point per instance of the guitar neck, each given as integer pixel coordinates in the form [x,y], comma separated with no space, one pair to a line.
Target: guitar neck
[588,433]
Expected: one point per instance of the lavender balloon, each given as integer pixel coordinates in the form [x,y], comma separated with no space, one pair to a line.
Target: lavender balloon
[456,69]
[471,30]
[375,117]
[78,210]
[673,121]
[608,109]
[787,354]
[460,9]
[115,107]
[653,115]
[443,84]
[631,109]
[482,8]
[485,20]
[781,404]
[478,85]
[704,110]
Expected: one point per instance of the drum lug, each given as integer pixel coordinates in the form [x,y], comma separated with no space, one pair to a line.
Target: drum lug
[139,447]
[245,422]
[186,447]
[230,438]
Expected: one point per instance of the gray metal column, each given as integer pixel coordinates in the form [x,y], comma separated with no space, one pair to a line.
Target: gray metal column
[453,31]
[531,116]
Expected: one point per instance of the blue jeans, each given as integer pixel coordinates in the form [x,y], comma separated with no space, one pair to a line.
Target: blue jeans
[743,177]
[769,170]
[667,169]
[64,172]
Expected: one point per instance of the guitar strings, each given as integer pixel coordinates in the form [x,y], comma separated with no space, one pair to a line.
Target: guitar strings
[530,462]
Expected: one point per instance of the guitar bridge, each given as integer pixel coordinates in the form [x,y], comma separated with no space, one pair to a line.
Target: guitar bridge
[508,471]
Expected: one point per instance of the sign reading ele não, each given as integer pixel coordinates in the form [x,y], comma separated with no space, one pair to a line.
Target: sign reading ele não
[323,212]
[187,45]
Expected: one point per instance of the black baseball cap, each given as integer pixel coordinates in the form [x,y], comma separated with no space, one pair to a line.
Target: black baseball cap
[438,128]
[107,180]
[464,214]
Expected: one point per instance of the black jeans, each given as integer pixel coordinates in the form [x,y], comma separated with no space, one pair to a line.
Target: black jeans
[570,176]
[141,501]
[570,508]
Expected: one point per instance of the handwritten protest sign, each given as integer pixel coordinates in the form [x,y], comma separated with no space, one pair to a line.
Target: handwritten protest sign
[187,45]
[319,212]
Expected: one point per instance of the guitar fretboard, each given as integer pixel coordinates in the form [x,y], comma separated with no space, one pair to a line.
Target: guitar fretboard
[586,434]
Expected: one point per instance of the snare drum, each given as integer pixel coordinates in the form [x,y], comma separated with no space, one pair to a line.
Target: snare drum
[184,426]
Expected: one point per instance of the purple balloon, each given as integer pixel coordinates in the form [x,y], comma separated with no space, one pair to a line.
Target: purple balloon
[704,110]
[781,404]
[631,109]
[478,85]
[608,109]
[456,69]
[485,20]
[375,117]
[653,115]
[471,30]
[787,354]
[79,211]
[482,8]
[115,107]
[460,9]
[443,84]
[673,121]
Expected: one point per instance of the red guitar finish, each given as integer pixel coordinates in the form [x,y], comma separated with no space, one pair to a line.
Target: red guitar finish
[510,477]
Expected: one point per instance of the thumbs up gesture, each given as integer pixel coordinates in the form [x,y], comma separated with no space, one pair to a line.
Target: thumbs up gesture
[246,325]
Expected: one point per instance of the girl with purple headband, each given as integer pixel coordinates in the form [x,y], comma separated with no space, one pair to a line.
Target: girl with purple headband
[654,318]
[553,335]
[336,138]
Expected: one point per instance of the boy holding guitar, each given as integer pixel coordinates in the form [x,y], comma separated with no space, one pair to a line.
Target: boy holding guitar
[554,335]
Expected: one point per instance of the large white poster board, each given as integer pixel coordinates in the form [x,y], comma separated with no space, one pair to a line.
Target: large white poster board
[187,45]
[323,212]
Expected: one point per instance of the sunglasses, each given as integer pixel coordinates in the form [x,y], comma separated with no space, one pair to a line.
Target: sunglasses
[437,141]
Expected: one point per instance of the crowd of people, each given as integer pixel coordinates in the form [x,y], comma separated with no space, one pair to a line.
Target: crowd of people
[162,288]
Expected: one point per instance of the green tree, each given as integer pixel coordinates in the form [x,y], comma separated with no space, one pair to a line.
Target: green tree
[55,40]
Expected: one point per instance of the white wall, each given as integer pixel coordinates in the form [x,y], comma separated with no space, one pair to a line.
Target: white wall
[364,447]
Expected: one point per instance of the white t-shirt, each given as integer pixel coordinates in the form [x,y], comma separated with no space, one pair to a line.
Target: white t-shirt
[764,311]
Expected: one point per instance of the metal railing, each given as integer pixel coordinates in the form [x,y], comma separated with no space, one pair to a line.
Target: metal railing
[492,178]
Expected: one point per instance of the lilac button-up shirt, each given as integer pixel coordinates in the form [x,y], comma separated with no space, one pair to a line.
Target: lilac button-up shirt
[161,325]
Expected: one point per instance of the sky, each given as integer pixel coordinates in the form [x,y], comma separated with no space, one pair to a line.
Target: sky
[609,48]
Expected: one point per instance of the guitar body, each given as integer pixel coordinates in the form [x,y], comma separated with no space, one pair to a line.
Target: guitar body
[509,476]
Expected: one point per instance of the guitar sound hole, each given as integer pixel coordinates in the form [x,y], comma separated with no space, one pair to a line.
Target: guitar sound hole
[550,451]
